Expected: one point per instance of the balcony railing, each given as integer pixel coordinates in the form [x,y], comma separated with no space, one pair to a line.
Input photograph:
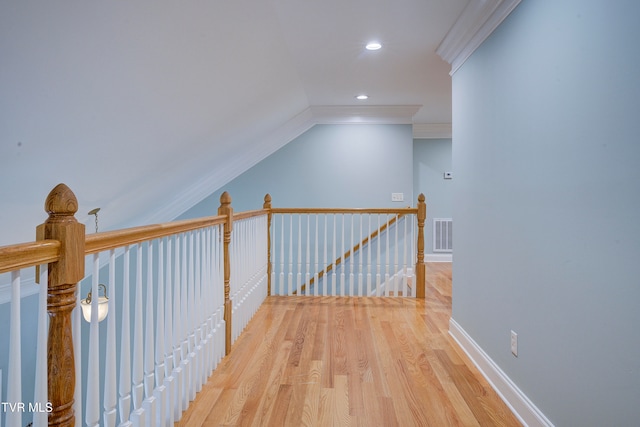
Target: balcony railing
[178,295]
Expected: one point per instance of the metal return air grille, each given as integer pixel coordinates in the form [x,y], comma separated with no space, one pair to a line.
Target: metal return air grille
[442,235]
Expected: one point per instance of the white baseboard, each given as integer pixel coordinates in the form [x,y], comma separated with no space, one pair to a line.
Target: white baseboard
[438,257]
[528,414]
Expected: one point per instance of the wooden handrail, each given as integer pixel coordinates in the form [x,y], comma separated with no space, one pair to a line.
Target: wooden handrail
[390,211]
[106,240]
[24,255]
[357,247]
[249,214]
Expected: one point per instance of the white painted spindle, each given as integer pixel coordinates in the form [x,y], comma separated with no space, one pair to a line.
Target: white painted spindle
[317,259]
[169,379]
[110,390]
[40,390]
[352,261]
[92,404]
[149,403]
[177,329]
[160,392]
[124,387]
[343,265]
[378,259]
[14,380]
[299,272]
[137,417]
[334,284]
[307,270]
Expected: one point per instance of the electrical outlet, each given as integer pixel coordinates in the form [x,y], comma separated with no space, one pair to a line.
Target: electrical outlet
[514,344]
[397,197]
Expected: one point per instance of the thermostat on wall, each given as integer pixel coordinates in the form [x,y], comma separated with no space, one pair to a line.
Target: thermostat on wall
[447,175]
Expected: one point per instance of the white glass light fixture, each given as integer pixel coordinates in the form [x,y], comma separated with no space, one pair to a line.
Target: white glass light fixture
[362,97]
[103,305]
[373,46]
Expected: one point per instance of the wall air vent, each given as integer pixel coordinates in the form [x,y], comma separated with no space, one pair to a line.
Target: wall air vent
[442,235]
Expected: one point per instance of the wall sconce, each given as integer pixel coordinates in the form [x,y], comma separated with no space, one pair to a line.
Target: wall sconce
[103,305]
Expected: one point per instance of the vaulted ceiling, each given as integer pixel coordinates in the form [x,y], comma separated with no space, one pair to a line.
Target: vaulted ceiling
[142,107]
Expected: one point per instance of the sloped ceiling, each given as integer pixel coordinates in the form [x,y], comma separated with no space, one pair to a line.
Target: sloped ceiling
[142,107]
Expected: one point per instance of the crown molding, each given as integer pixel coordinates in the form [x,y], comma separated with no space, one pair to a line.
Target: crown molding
[366,114]
[432,131]
[476,22]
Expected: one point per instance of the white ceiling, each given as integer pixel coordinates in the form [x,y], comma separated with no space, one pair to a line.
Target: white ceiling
[143,106]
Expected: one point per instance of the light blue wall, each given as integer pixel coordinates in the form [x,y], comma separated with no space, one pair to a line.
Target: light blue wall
[327,166]
[546,204]
[431,158]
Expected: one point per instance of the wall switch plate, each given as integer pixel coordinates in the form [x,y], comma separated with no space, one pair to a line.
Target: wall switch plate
[397,197]
[448,175]
[514,344]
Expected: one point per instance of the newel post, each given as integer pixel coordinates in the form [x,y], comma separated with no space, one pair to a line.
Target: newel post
[61,205]
[226,209]
[267,205]
[420,268]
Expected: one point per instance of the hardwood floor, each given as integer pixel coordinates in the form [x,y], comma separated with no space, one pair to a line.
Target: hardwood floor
[326,361]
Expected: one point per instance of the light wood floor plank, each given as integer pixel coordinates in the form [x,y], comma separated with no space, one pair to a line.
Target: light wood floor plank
[329,361]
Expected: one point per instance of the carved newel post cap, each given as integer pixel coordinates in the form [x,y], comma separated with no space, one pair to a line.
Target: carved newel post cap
[421,198]
[61,202]
[225,198]
[267,201]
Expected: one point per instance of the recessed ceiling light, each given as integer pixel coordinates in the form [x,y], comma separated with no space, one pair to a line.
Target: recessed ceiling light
[373,46]
[362,97]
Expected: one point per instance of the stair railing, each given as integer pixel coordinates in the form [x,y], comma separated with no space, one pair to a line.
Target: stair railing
[179,294]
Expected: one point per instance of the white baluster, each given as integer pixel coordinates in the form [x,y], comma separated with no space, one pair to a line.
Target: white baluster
[125,345]
[138,345]
[14,380]
[342,259]
[184,334]
[160,392]
[149,402]
[177,330]
[110,390]
[197,311]
[76,320]
[282,289]
[361,260]
[405,287]
[368,292]
[333,288]
[307,270]
[92,405]
[191,340]
[326,257]
[395,263]
[290,273]
[378,260]
[352,261]
[169,380]
[299,274]
[40,390]
[387,265]
[317,259]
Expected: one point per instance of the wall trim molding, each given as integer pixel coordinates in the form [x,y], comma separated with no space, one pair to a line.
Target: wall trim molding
[438,258]
[516,400]
[432,131]
[476,22]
